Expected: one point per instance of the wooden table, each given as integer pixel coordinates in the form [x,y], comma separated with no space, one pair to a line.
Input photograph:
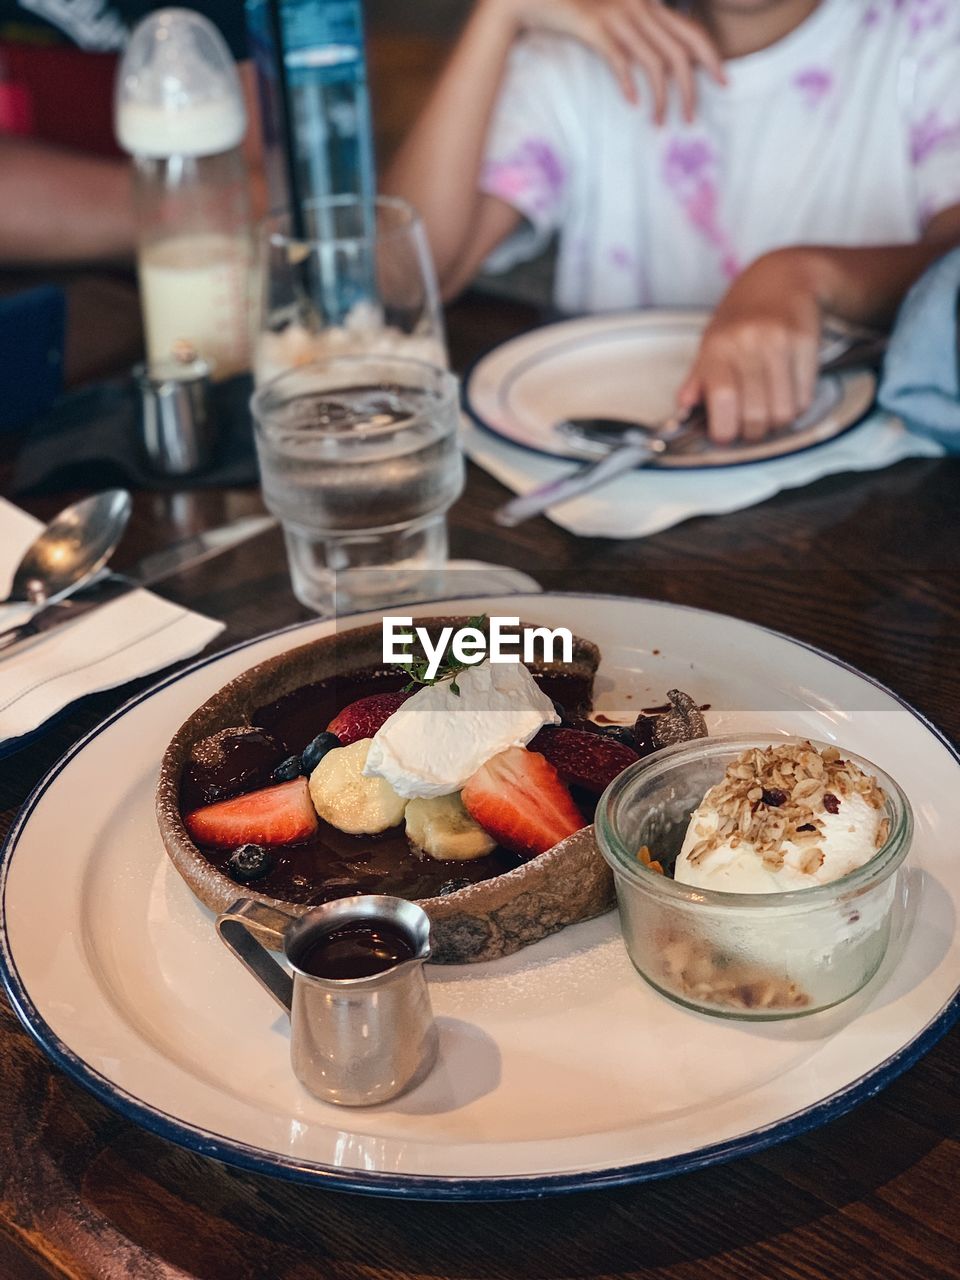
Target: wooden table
[864,566]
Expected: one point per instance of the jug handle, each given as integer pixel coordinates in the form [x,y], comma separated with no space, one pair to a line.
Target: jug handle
[245,927]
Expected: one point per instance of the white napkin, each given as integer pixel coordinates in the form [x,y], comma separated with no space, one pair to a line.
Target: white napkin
[645,502]
[129,637]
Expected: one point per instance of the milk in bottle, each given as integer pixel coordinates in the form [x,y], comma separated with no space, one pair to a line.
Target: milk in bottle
[179,112]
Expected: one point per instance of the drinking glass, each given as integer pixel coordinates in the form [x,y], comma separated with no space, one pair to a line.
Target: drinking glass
[360,461]
[361,282]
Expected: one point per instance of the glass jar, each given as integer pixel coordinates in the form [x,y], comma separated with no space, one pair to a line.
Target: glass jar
[741,955]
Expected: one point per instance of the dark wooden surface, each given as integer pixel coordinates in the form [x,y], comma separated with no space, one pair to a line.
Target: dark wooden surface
[865,566]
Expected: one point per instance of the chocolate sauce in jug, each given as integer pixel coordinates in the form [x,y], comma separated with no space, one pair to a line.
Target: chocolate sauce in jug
[355,950]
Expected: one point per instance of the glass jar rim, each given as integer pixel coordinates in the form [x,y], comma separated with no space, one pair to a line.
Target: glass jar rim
[624,861]
[271,227]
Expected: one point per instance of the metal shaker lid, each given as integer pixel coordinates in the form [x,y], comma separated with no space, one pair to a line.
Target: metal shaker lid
[178,429]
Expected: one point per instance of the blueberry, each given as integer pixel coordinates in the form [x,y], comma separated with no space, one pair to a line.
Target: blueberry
[314,751]
[287,770]
[451,886]
[622,733]
[249,862]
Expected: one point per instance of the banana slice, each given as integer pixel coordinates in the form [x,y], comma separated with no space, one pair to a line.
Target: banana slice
[442,828]
[348,800]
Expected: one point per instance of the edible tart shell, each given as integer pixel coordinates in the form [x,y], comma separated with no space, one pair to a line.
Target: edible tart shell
[491,918]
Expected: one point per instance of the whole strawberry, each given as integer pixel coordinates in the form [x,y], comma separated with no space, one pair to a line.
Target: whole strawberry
[582,759]
[362,719]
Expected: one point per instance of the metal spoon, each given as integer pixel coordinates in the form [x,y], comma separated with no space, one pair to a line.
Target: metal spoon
[71,550]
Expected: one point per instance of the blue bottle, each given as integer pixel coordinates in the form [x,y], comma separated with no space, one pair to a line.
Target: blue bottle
[330,104]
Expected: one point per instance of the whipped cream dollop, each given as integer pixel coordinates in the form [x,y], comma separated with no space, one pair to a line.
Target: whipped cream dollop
[783,818]
[435,741]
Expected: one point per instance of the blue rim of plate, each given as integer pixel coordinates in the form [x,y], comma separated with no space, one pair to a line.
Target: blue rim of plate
[424,1186]
[489,429]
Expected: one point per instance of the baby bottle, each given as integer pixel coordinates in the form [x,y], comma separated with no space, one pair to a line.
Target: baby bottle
[179,113]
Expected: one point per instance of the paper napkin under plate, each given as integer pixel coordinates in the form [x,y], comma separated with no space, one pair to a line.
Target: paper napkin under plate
[648,501]
[132,636]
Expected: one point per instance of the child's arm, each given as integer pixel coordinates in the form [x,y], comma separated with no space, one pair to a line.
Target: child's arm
[438,167]
[757,364]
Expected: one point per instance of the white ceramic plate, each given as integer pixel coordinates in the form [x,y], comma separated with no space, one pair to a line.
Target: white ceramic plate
[630,366]
[560,1068]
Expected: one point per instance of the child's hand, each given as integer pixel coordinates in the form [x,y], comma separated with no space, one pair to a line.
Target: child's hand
[629,34]
[757,364]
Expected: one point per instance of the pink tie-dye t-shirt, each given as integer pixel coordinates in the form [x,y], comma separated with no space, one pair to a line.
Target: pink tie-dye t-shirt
[846,132]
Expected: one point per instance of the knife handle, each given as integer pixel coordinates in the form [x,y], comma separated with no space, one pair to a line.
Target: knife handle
[110,587]
[571,485]
[14,635]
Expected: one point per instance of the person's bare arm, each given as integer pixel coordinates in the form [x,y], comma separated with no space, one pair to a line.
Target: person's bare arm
[64,207]
[757,364]
[866,286]
[57,206]
[438,167]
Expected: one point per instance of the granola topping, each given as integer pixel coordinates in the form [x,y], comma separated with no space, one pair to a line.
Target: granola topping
[777,795]
[783,817]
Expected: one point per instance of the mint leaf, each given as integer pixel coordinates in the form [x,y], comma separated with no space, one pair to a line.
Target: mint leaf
[449,667]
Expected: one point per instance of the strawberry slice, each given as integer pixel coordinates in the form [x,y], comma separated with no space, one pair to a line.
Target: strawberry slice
[583,759]
[518,798]
[362,719]
[276,815]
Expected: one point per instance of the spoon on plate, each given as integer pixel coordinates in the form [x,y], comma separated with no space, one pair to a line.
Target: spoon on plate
[71,551]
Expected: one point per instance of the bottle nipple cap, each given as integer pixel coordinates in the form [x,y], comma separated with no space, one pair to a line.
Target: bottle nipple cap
[177,90]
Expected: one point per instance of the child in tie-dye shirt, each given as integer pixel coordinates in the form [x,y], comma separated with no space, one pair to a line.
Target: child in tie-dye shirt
[777,160]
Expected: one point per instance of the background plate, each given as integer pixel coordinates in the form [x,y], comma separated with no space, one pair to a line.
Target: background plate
[630,366]
[560,1068]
